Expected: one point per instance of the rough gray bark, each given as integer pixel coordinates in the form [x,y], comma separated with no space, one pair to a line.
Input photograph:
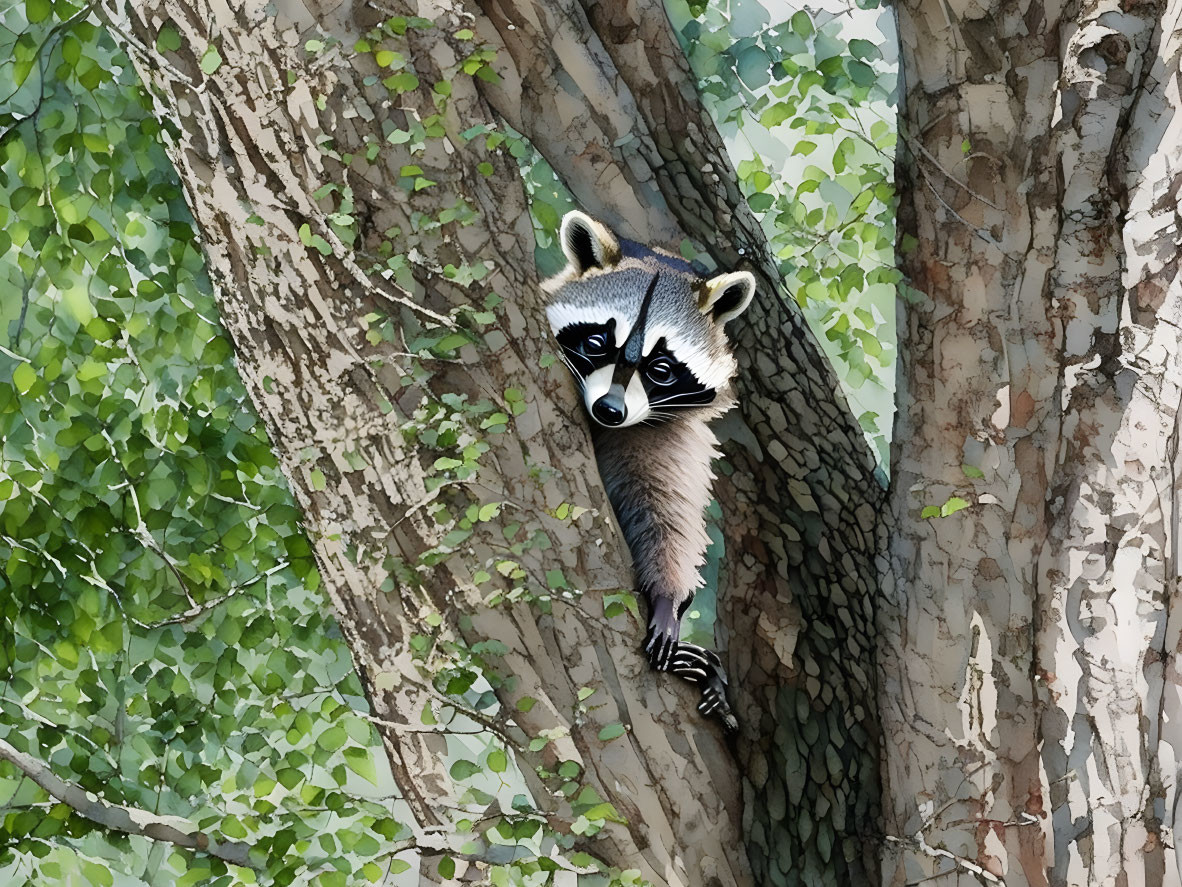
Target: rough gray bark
[1028,641]
[274,122]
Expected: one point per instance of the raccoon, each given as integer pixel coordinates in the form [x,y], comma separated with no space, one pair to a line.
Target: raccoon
[642,333]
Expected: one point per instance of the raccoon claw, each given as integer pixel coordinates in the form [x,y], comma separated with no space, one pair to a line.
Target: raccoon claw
[661,647]
[710,702]
[664,628]
[703,667]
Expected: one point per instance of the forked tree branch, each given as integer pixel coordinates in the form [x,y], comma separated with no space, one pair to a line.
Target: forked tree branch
[128,820]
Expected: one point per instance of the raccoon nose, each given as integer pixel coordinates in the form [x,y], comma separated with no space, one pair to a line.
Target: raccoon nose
[609,409]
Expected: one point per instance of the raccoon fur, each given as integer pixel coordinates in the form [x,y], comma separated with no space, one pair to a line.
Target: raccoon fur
[642,333]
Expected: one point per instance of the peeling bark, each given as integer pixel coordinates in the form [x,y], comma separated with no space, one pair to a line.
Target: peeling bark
[1028,646]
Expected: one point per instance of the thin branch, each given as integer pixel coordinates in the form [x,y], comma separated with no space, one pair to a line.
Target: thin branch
[980,232]
[917,145]
[198,609]
[958,862]
[128,820]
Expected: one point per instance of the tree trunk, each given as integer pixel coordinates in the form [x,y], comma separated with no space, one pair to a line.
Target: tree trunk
[1027,644]
[802,499]
[352,215]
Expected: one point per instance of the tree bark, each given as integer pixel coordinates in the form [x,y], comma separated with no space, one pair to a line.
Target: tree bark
[1028,641]
[802,499]
[359,422]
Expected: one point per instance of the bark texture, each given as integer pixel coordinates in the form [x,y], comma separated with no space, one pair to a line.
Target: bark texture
[1029,642]
[801,498]
[604,92]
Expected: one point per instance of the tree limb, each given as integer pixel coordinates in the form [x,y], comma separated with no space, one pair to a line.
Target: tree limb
[128,820]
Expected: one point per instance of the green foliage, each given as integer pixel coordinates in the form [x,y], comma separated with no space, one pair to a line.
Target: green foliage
[808,117]
[953,505]
[165,644]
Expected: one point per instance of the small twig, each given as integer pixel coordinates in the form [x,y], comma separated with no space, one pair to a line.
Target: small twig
[20,321]
[980,232]
[932,158]
[198,609]
[959,862]
[426,500]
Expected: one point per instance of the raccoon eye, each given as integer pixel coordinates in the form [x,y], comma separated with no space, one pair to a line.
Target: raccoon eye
[595,345]
[661,371]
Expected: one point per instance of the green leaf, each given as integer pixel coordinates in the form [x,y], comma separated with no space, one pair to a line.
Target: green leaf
[462,769]
[864,49]
[972,471]
[611,731]
[168,40]
[96,874]
[211,60]
[401,82]
[307,238]
[930,511]
[78,304]
[23,377]
[332,738]
[775,115]
[37,10]
[952,506]
[361,762]
[498,761]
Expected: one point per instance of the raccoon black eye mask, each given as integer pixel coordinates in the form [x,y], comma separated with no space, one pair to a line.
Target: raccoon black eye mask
[643,336]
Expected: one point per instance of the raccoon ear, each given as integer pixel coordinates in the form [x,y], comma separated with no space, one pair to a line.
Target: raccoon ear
[727,295]
[587,243]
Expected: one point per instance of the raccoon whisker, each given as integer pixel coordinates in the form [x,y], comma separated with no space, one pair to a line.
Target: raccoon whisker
[655,417]
[578,376]
[674,398]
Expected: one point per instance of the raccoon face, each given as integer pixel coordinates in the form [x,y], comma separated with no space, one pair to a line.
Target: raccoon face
[640,330]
